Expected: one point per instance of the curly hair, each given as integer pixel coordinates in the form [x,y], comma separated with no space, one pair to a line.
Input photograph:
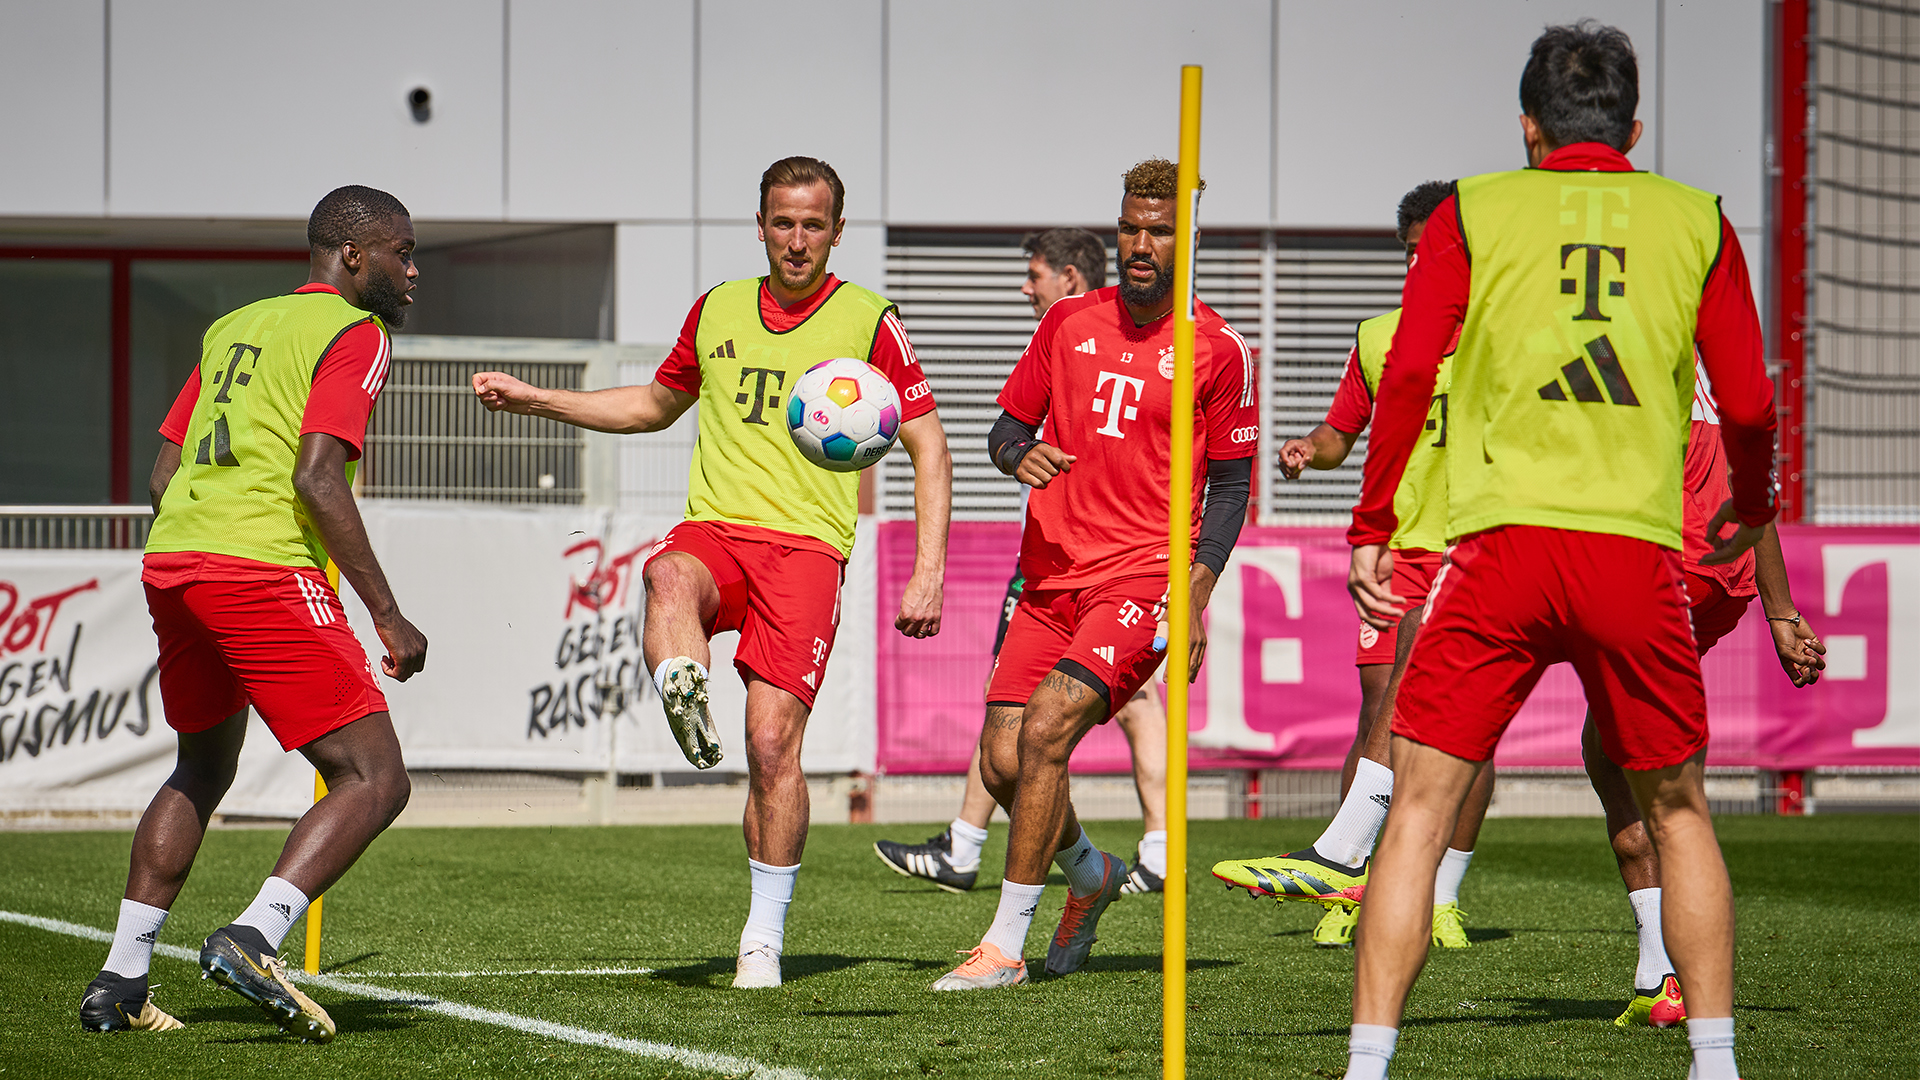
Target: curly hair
[343,212]
[1154,178]
[1419,204]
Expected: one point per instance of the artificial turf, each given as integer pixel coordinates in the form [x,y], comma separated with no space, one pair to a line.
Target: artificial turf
[1829,972]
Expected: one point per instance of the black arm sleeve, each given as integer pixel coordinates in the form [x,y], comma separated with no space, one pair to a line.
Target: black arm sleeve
[1010,439]
[1228,485]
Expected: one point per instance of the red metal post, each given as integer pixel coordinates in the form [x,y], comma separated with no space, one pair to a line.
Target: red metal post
[1793,794]
[1789,247]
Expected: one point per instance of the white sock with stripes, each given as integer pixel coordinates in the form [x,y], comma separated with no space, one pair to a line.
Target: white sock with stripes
[275,910]
[133,938]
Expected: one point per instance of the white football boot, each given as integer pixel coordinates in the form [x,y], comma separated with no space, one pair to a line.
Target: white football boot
[758,967]
[684,696]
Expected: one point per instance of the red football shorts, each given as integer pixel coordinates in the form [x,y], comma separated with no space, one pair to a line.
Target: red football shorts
[282,644]
[784,600]
[1101,635]
[1516,599]
[1715,610]
[1413,572]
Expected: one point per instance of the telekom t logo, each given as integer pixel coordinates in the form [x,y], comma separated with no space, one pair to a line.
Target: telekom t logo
[1116,406]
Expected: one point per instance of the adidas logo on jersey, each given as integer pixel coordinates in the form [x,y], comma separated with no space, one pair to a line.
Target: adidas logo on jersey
[723,352]
[1104,652]
[1580,378]
[1085,347]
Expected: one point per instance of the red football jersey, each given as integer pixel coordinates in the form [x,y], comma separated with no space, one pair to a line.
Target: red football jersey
[1104,388]
[1706,487]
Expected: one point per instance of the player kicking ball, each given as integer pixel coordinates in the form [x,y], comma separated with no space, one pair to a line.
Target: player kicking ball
[1060,263]
[1588,289]
[251,495]
[763,550]
[1099,374]
[1332,871]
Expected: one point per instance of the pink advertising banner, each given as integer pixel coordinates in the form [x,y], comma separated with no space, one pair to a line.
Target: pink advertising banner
[1279,690]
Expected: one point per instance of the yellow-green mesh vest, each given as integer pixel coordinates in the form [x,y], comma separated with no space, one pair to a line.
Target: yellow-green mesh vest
[1573,383]
[1421,501]
[233,493]
[746,469]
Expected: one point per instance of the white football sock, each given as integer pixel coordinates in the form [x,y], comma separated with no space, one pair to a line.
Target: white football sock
[1014,918]
[1712,1042]
[1654,964]
[767,915]
[275,910]
[968,839]
[1369,1048]
[1446,883]
[1349,837]
[660,673]
[133,938]
[1085,867]
[1153,851]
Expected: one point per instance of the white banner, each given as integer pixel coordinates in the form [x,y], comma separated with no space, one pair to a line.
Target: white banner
[81,725]
[533,619]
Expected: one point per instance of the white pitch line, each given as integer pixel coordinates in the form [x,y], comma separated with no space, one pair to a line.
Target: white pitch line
[485,974]
[693,1059]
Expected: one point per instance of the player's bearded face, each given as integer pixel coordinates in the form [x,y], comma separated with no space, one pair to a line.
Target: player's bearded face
[1146,250]
[800,233]
[1151,293]
[389,274]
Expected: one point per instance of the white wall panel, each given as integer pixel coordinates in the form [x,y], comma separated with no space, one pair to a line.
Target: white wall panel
[1716,89]
[600,116]
[1379,95]
[778,81]
[653,281]
[1010,112]
[235,109]
[52,75]
[729,251]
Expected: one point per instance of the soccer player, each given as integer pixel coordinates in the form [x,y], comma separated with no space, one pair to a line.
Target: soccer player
[1099,374]
[1717,597]
[251,500]
[764,546]
[1588,288]
[1060,263]
[1333,871]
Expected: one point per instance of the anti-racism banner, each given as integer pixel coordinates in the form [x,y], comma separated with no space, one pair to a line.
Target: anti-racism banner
[1279,690]
[81,724]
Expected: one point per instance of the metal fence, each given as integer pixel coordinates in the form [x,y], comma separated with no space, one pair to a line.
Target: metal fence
[74,527]
[1863,280]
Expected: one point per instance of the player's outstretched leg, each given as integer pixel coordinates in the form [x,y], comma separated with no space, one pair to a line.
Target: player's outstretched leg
[1656,1000]
[164,846]
[950,860]
[682,603]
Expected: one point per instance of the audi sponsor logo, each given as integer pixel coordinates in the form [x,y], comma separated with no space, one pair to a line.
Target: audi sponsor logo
[918,390]
[1245,434]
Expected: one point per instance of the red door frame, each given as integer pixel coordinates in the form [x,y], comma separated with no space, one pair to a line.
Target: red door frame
[1788,244]
[120,336]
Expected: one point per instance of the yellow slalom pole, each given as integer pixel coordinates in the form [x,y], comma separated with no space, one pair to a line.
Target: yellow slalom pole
[313,909]
[319,792]
[1173,958]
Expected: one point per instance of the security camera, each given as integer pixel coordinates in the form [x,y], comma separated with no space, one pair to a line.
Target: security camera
[420,100]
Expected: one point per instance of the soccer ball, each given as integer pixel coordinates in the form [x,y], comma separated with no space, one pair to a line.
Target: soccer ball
[843,415]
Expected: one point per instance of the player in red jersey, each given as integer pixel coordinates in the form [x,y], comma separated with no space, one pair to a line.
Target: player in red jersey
[1717,597]
[1335,864]
[252,498]
[1099,374]
[1060,263]
[764,546]
[1568,423]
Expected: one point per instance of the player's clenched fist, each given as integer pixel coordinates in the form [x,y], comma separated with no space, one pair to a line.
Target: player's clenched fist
[498,390]
[1294,455]
[1041,464]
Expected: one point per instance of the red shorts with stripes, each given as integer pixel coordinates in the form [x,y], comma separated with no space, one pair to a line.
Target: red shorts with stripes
[1413,573]
[783,598]
[1101,635]
[1516,599]
[281,643]
[1715,611]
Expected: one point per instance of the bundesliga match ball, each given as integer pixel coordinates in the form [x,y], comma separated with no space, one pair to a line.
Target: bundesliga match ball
[843,415]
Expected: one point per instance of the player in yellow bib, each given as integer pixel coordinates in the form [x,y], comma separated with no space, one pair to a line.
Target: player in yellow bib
[764,544]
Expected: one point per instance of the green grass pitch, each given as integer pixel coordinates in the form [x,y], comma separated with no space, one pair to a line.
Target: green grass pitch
[1829,971]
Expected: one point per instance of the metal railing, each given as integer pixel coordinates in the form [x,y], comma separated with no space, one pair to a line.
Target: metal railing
[74,527]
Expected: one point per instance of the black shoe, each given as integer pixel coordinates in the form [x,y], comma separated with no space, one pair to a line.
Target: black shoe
[237,957]
[1142,880]
[117,1003]
[931,861]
